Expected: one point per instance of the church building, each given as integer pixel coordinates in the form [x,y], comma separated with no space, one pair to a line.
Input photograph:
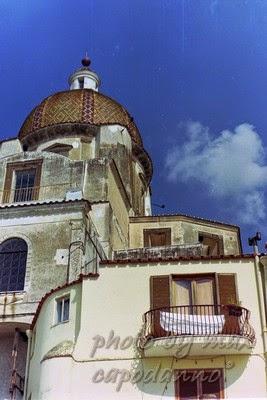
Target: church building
[101,299]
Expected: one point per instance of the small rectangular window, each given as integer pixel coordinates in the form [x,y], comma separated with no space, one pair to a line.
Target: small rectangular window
[62,309]
[199,384]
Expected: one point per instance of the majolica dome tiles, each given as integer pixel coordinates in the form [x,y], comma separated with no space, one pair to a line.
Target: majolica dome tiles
[78,106]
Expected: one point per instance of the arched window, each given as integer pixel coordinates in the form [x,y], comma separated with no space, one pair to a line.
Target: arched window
[13,259]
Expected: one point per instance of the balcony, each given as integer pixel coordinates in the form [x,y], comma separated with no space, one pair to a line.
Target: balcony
[41,193]
[169,251]
[184,331]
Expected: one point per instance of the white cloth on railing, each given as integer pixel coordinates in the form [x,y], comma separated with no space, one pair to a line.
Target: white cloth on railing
[190,324]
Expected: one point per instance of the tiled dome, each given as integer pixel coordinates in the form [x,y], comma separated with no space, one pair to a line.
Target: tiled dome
[84,106]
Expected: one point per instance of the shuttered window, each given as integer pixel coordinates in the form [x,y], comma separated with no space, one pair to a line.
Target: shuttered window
[164,300]
[157,237]
[224,290]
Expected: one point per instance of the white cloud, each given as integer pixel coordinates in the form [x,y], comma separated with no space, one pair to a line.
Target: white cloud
[230,165]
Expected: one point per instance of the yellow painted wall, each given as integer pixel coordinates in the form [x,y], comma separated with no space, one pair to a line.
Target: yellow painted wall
[116,302]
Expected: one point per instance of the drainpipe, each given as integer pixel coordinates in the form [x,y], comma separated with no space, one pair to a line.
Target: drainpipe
[29,335]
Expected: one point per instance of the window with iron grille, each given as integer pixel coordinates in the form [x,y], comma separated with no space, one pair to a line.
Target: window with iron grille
[24,185]
[13,259]
[22,181]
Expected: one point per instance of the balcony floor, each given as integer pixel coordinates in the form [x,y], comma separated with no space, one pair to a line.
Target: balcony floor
[186,346]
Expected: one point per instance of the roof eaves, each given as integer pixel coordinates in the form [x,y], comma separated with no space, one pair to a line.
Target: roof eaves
[147,260]
[132,219]
[45,202]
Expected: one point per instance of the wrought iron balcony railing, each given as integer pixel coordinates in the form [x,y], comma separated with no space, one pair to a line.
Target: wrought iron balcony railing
[200,320]
[51,192]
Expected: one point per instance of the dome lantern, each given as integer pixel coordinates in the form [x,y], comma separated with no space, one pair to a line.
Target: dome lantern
[84,78]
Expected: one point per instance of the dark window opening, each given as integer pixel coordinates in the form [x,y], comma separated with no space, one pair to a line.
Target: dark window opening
[25,185]
[213,244]
[199,384]
[13,259]
[81,83]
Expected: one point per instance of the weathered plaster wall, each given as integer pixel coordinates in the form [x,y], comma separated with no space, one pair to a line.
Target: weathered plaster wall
[101,215]
[10,147]
[138,190]
[182,231]
[81,149]
[58,174]
[95,180]
[47,230]
[120,154]
[120,211]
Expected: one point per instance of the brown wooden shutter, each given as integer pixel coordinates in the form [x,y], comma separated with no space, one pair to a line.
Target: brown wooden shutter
[227,289]
[228,295]
[159,291]
[157,237]
[159,298]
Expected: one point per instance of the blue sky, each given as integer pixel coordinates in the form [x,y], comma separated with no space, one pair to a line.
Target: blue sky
[193,73]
